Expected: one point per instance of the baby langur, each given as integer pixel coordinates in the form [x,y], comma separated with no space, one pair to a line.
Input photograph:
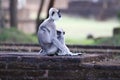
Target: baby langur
[52,41]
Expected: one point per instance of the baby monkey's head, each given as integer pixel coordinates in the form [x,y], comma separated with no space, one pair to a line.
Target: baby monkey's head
[54,14]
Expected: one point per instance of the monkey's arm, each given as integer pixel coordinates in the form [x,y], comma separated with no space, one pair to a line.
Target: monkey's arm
[59,45]
[44,35]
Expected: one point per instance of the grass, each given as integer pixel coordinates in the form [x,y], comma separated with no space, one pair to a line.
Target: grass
[113,41]
[79,42]
[80,27]
[14,35]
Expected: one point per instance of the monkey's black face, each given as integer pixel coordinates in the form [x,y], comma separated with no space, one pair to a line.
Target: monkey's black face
[59,13]
[59,32]
[56,15]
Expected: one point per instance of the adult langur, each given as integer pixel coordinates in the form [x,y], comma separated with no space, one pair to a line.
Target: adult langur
[52,40]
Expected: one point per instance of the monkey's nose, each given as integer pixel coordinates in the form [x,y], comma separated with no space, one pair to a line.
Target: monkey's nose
[59,15]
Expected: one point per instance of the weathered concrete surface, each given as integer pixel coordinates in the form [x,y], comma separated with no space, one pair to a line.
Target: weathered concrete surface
[102,70]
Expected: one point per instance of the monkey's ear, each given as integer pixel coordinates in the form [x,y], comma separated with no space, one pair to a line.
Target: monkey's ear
[53,13]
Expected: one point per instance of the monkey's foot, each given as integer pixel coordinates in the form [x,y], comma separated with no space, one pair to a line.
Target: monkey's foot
[69,54]
[76,54]
[42,53]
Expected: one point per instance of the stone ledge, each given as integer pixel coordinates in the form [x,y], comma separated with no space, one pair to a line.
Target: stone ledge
[36,58]
[101,66]
[32,61]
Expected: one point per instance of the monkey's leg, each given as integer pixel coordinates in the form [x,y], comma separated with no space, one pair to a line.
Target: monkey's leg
[52,50]
[42,52]
[60,37]
[62,40]
[59,45]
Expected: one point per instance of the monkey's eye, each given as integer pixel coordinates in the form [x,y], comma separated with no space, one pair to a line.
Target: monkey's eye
[53,13]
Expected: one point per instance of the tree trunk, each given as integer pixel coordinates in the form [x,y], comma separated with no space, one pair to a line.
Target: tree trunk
[13,13]
[104,8]
[51,4]
[116,31]
[1,15]
[38,20]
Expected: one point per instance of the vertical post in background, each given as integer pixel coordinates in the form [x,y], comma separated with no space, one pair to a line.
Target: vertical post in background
[51,4]
[13,13]
[39,20]
[2,16]
[0,13]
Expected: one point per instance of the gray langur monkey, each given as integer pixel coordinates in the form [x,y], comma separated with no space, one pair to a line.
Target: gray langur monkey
[52,41]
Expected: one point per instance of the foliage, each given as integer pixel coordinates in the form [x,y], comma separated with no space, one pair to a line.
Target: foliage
[113,41]
[118,15]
